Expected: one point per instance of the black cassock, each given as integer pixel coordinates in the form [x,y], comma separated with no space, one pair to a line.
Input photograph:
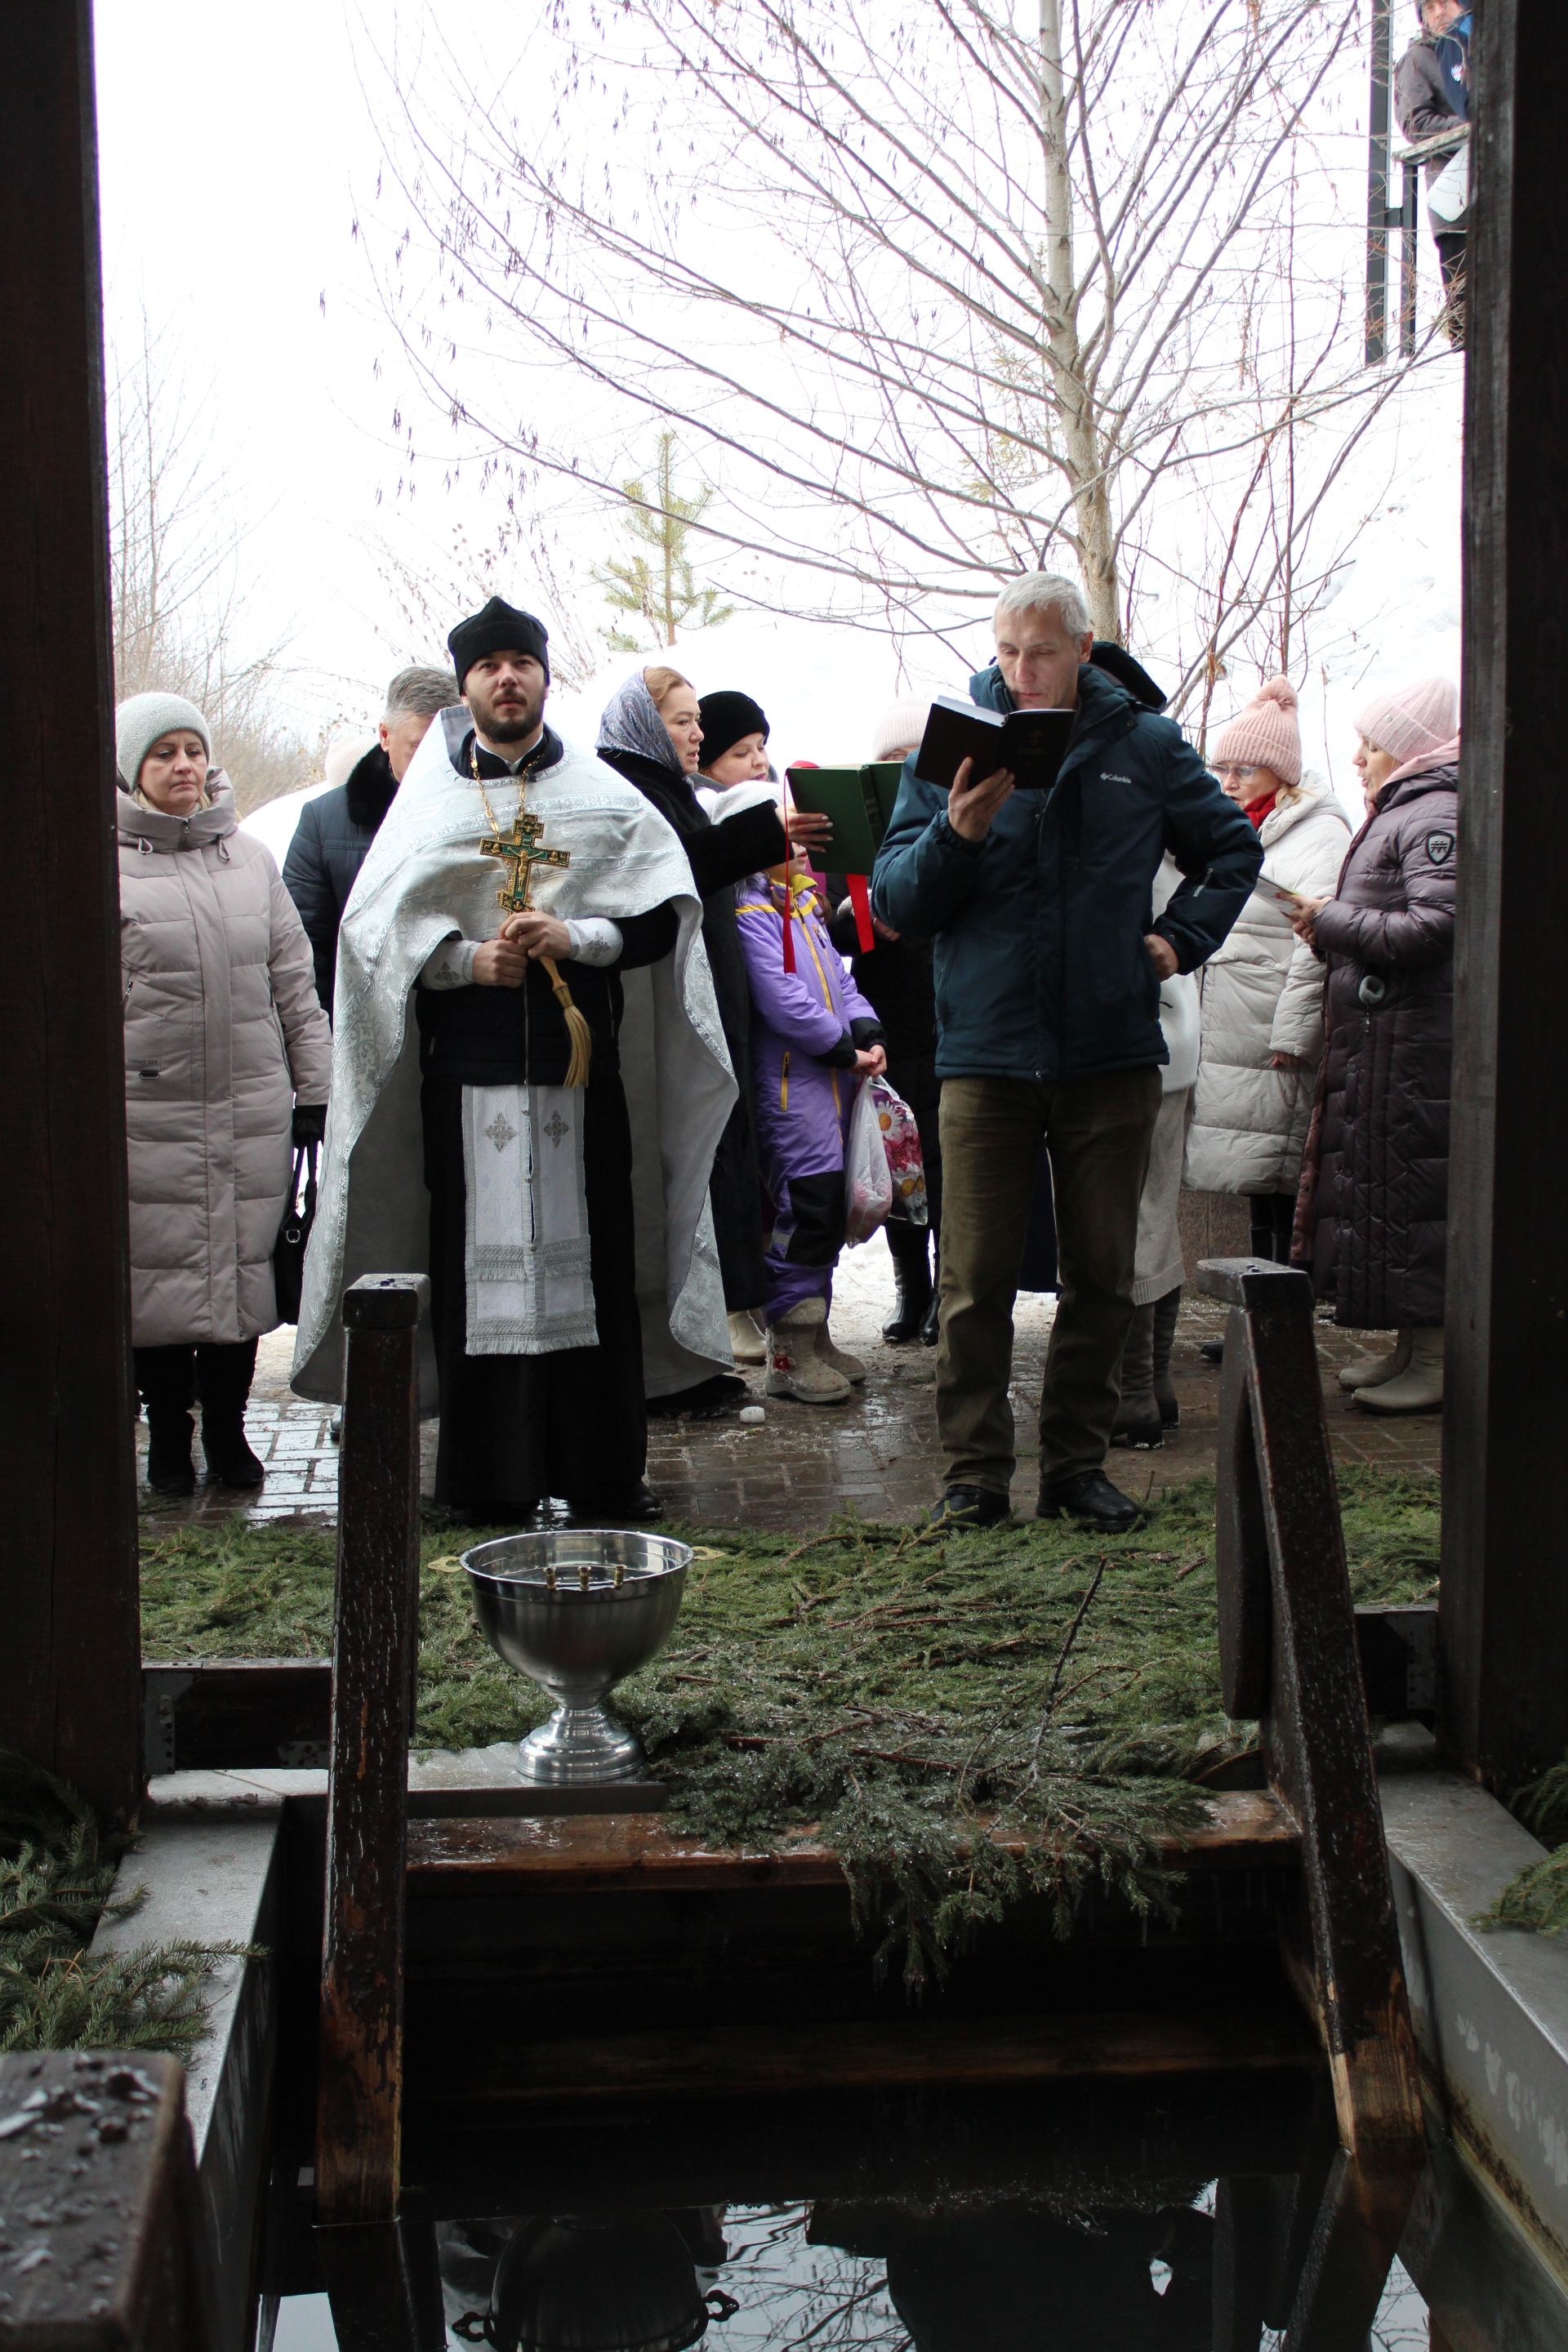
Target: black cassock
[573,1423]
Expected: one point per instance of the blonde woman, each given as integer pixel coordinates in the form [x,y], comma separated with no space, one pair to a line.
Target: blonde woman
[651,733]
[227,1060]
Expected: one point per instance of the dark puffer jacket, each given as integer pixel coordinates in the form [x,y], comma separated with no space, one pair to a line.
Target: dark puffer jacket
[1372,1223]
[1041,970]
[331,844]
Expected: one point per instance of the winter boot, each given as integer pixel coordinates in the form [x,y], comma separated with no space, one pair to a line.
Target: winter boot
[849,1367]
[930,1329]
[165,1378]
[1166,1310]
[223,1383]
[912,1275]
[1419,1387]
[746,1343]
[1370,1371]
[795,1368]
[1137,1421]
[169,1470]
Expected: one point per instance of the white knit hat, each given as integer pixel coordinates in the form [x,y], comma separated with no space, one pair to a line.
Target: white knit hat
[900,725]
[1419,718]
[1264,735]
[139,723]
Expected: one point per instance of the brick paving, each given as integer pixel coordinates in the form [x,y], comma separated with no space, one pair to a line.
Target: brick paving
[876,1453]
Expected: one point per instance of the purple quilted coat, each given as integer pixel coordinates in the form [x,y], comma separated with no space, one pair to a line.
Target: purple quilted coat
[1372,1219]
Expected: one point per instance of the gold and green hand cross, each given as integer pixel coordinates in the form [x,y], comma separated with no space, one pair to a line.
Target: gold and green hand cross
[521,850]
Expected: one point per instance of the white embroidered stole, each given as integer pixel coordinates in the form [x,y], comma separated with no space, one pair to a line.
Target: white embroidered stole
[526,1252]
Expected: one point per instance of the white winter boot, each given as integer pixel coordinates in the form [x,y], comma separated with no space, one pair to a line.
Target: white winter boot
[1419,1387]
[795,1368]
[746,1342]
[1370,1371]
[849,1367]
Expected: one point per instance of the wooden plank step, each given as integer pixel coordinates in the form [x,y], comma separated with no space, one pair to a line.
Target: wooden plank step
[739,2060]
[590,1853]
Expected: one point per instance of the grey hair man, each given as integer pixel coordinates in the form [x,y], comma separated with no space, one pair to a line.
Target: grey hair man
[335,829]
[1048,965]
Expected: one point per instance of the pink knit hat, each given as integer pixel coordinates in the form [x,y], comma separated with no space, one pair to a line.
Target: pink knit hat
[901,724]
[1422,717]
[1264,735]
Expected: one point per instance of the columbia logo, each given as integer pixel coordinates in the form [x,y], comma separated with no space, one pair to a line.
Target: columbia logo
[1110,776]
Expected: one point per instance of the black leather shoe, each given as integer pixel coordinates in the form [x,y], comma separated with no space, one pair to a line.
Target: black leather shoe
[1090,1497]
[969,1507]
[630,1503]
[1212,1350]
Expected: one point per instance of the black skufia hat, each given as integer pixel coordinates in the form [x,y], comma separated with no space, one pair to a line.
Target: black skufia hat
[500,628]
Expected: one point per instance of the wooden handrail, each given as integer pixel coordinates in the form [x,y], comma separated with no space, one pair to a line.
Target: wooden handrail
[1289,1656]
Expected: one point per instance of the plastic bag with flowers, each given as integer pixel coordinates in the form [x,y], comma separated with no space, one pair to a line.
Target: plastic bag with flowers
[884,1172]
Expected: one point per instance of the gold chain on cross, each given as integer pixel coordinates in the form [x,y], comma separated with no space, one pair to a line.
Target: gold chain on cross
[521,849]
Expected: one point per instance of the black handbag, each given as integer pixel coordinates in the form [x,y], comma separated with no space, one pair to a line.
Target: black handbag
[293,1233]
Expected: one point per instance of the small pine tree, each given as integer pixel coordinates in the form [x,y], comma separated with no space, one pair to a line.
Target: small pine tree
[659,587]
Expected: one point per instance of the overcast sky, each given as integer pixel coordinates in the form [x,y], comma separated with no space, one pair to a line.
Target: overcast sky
[237,149]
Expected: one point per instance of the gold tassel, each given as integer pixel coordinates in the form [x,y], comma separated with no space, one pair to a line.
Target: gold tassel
[576,1026]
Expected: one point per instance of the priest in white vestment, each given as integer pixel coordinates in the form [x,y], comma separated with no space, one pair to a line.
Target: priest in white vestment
[521,902]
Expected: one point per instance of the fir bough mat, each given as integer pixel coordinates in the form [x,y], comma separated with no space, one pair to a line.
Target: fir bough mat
[1537,1897]
[57,1880]
[893,1685]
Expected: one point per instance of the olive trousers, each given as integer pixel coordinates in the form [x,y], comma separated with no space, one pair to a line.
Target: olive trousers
[1097,1132]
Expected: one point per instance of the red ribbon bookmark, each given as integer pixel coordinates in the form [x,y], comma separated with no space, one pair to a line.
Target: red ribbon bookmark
[860,899]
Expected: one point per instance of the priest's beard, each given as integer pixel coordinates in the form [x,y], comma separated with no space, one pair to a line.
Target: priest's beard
[514,720]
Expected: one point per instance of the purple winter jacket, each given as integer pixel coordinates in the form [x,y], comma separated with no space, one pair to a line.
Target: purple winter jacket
[807,1026]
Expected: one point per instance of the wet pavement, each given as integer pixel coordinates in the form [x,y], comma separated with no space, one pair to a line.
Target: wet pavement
[876,1455]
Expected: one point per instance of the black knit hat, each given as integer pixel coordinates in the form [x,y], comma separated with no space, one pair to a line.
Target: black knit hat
[500,628]
[725,719]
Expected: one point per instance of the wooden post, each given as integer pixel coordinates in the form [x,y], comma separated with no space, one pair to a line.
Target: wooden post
[375,2291]
[70,1697]
[1289,1652]
[1504,1600]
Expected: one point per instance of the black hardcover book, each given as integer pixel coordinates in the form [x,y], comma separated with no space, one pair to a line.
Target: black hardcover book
[1033,743]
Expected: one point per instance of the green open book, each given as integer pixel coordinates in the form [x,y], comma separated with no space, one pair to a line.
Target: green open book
[856,802]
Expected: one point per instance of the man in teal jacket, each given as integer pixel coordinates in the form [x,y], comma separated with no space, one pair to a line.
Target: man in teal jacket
[1048,965]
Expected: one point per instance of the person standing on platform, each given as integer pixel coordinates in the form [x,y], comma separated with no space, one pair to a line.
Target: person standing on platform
[227,1060]
[1431,95]
[815,1039]
[651,733]
[335,830]
[1372,1224]
[523,932]
[1263,989]
[1048,961]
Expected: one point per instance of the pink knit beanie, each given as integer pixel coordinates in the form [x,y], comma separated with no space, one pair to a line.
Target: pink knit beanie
[901,724]
[1420,717]
[1264,735]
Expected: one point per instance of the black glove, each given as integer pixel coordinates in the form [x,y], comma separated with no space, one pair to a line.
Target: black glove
[310,1124]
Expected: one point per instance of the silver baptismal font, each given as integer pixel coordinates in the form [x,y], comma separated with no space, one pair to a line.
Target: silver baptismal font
[578,1610]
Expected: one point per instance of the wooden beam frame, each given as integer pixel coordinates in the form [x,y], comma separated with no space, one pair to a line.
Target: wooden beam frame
[1288,1650]
[70,1696]
[1504,1595]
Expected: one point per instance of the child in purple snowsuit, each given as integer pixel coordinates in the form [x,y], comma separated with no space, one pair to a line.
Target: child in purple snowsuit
[815,1039]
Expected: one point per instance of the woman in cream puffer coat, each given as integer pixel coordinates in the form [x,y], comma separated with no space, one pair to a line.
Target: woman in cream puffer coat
[223,1035]
[1263,989]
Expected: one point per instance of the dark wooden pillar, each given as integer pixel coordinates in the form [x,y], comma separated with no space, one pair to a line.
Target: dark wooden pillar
[68,1685]
[1505,1582]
